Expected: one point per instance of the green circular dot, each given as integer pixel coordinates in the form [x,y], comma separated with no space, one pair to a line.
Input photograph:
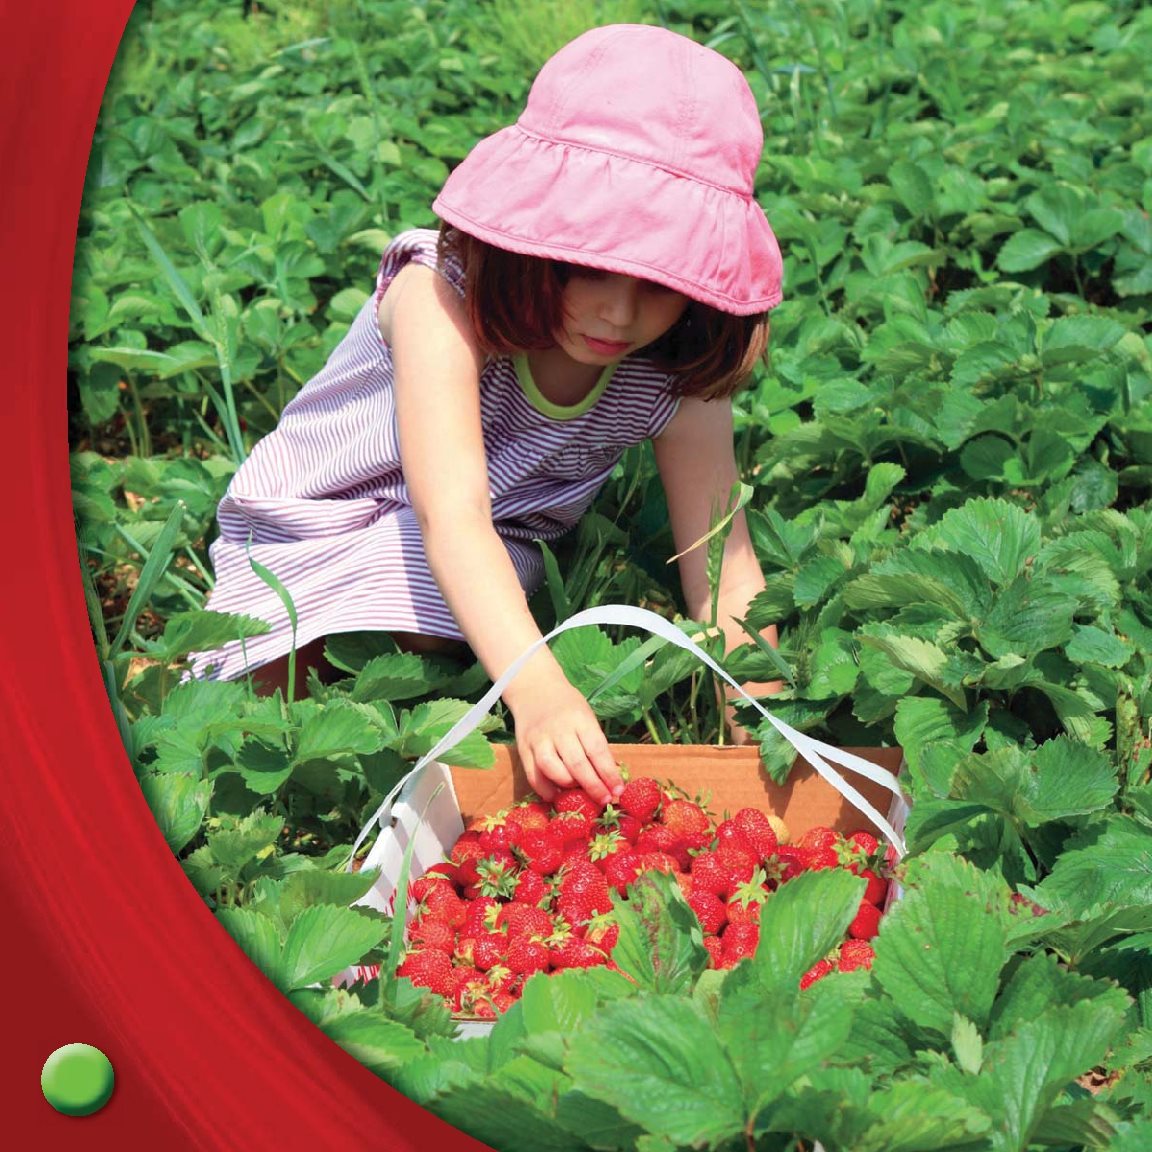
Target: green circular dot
[77,1079]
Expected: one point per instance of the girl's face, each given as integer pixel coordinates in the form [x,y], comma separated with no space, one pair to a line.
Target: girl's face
[608,315]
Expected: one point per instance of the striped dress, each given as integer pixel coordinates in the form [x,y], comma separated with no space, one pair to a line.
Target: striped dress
[321,501]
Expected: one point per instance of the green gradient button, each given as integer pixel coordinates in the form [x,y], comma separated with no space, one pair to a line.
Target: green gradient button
[77,1079]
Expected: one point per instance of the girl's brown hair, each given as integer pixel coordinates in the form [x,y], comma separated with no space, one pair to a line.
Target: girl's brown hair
[515,304]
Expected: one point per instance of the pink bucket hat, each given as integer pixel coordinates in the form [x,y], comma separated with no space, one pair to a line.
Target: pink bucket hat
[636,154]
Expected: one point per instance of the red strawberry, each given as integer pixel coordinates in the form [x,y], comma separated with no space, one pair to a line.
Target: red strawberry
[531,888]
[465,856]
[524,920]
[496,875]
[686,818]
[620,869]
[576,800]
[788,861]
[573,952]
[710,911]
[855,954]
[630,828]
[641,798]
[603,931]
[728,833]
[709,873]
[433,934]
[864,842]
[815,857]
[819,836]
[876,889]
[572,829]
[661,838]
[738,865]
[441,903]
[470,986]
[866,923]
[658,862]
[419,889]
[747,899]
[739,942]
[429,968]
[817,972]
[530,816]
[540,851]
[483,950]
[526,955]
[757,830]
[715,950]
[605,844]
[482,914]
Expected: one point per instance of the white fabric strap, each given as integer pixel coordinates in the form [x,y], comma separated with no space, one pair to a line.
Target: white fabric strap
[814,752]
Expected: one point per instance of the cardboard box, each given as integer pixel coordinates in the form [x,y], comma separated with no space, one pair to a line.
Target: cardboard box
[436,805]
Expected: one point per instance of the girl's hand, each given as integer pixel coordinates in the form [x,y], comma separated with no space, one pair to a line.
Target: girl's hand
[562,745]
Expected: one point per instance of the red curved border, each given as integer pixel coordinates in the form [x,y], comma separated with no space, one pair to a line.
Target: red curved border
[105,941]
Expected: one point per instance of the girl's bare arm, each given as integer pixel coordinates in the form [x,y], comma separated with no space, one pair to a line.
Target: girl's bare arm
[437,371]
[698,469]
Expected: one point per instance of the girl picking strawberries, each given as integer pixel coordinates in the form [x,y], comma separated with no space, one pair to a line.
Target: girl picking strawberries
[601,276]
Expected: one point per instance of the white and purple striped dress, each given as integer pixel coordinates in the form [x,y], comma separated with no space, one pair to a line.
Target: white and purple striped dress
[322,502]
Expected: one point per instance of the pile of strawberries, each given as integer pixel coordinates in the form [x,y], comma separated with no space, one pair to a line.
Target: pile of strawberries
[530,889]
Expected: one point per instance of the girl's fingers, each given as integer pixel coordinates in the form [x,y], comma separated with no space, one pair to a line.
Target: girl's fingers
[582,771]
[604,763]
[538,782]
[551,770]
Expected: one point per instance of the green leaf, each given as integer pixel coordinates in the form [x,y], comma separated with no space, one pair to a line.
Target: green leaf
[395,676]
[1093,645]
[1038,984]
[1111,863]
[925,661]
[999,536]
[941,947]
[201,631]
[335,730]
[431,721]
[1071,780]
[1056,208]
[949,580]
[924,721]
[1029,616]
[805,918]
[967,1044]
[257,935]
[155,565]
[265,769]
[325,939]
[911,184]
[509,1115]
[237,844]
[312,886]
[911,1116]
[1027,249]
[815,578]
[775,1037]
[178,801]
[378,1043]
[1026,1073]
[658,1061]
[657,945]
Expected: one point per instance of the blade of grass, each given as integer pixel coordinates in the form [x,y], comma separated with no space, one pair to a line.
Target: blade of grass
[638,658]
[779,663]
[155,565]
[270,578]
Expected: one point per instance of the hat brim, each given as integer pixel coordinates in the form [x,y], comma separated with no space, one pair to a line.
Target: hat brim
[564,202]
